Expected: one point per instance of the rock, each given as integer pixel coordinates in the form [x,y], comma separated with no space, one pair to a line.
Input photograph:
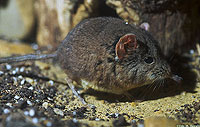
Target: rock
[160,122]
[120,122]
[58,111]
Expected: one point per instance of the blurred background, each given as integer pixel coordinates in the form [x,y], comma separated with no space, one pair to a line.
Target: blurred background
[36,91]
[174,23]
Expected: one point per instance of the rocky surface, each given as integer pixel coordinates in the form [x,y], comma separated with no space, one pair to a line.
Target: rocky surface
[36,94]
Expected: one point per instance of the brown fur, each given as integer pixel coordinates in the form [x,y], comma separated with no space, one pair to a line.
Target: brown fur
[88,54]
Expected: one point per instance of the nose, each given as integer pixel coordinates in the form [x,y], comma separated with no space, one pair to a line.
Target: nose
[177,78]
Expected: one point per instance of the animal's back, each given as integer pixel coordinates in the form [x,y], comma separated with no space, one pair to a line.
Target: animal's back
[88,44]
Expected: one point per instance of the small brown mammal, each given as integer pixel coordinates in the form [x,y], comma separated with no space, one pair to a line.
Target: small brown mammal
[109,55]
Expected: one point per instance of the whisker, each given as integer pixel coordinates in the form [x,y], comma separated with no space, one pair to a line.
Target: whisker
[155,86]
[162,83]
[159,83]
[152,88]
[145,91]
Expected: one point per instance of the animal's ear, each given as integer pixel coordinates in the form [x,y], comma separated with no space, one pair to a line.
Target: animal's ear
[126,41]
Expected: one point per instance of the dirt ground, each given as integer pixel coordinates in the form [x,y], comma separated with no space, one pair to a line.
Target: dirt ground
[36,94]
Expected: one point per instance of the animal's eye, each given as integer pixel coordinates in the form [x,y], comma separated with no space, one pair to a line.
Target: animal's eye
[149,60]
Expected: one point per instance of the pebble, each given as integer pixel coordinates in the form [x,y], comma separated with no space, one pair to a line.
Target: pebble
[97,119]
[8,66]
[21,99]
[9,104]
[35,81]
[58,111]
[35,120]
[22,69]
[74,113]
[116,114]
[45,105]
[113,115]
[16,69]
[75,120]
[20,77]
[116,58]
[22,82]
[17,97]
[29,80]
[1,72]
[29,102]
[30,88]
[6,111]
[49,98]
[26,113]
[14,72]
[31,112]
[15,79]
[49,124]
[78,91]
[51,82]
